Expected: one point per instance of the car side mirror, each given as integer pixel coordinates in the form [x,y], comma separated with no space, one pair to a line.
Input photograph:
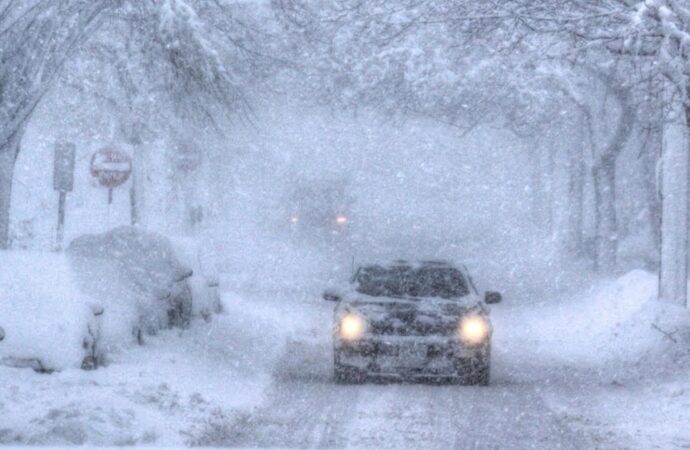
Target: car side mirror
[331,296]
[491,297]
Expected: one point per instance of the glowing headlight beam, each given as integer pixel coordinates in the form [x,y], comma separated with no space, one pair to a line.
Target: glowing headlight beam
[341,219]
[294,219]
[351,327]
[474,329]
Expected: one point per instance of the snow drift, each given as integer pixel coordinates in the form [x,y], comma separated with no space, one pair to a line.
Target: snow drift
[615,323]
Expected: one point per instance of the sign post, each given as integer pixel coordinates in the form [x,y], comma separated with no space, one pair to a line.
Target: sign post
[111,167]
[63,182]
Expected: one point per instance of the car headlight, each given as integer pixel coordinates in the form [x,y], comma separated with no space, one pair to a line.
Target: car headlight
[352,326]
[474,329]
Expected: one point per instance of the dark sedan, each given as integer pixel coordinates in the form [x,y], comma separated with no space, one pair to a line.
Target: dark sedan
[412,321]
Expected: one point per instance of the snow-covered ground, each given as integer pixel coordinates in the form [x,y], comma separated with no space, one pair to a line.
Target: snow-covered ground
[156,393]
[606,368]
[612,362]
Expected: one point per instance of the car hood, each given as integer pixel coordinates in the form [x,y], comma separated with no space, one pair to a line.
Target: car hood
[412,317]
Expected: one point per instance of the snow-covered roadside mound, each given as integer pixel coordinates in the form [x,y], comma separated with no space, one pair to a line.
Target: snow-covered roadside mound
[612,361]
[615,322]
[42,312]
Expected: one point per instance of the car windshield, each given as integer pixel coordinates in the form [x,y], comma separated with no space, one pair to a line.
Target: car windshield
[406,281]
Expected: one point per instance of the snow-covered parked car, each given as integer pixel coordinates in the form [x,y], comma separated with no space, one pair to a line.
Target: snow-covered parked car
[68,310]
[204,282]
[46,321]
[412,320]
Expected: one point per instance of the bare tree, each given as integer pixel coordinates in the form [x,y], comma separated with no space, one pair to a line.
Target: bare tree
[157,66]
[36,39]
[184,60]
[481,62]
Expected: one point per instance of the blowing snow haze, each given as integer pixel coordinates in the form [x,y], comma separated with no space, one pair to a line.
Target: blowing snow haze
[275,157]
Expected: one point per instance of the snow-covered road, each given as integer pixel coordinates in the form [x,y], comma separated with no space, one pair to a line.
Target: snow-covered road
[260,375]
[304,408]
[562,378]
[310,411]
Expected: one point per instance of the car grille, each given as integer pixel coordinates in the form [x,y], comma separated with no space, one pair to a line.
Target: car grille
[391,328]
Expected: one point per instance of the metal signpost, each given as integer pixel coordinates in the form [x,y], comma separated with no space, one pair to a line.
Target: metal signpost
[63,182]
[111,167]
[188,160]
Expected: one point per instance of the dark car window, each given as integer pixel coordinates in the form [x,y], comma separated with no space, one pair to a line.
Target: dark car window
[406,281]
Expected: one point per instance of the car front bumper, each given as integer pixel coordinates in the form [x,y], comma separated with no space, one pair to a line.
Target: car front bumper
[408,357]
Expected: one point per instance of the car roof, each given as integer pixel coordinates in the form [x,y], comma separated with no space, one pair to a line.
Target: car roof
[412,264]
[415,264]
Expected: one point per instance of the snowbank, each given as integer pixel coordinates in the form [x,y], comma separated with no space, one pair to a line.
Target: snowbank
[618,321]
[43,314]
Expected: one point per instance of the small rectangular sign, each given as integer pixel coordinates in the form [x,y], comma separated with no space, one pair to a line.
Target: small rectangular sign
[63,166]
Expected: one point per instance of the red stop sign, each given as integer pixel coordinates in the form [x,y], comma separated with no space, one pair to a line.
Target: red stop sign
[111,167]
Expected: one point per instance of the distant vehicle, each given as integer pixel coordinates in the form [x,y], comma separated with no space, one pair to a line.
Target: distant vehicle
[405,320]
[319,209]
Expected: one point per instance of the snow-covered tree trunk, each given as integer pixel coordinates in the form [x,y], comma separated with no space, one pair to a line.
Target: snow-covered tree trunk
[8,157]
[576,191]
[606,239]
[674,210]
[136,193]
[604,175]
[648,163]
[137,189]
[539,187]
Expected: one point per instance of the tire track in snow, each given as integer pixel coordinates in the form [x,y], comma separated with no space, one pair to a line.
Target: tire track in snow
[457,417]
[302,408]
[298,414]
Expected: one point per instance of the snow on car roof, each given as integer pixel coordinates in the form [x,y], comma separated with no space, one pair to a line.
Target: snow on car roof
[414,264]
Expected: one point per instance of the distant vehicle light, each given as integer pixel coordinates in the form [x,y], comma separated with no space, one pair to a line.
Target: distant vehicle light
[294,219]
[341,219]
[351,327]
[474,329]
